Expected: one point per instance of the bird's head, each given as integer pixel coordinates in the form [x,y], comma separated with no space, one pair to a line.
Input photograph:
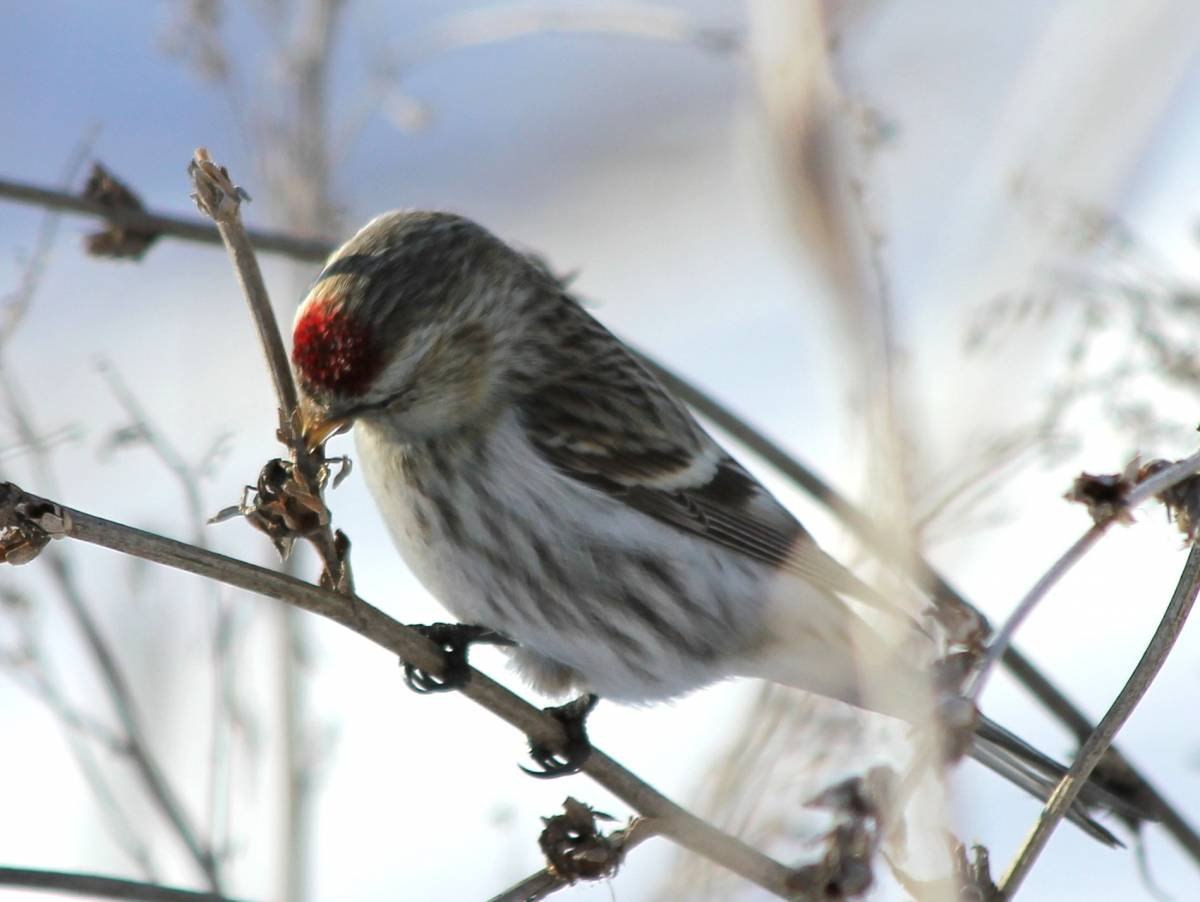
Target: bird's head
[416,323]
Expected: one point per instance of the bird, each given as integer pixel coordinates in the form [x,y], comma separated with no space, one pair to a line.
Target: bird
[545,486]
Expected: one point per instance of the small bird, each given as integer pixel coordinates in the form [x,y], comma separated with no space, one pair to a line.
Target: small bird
[543,484]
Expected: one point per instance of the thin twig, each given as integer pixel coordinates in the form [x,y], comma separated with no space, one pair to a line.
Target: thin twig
[186,228]
[157,787]
[220,200]
[187,478]
[1029,601]
[674,822]
[81,731]
[1143,491]
[1097,744]
[170,457]
[98,887]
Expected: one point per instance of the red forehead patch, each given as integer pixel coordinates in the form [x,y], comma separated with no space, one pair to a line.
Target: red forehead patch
[332,351]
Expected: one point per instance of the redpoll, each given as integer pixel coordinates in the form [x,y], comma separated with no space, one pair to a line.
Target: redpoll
[541,483]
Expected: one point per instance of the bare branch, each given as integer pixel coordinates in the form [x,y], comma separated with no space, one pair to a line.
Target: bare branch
[1025,606]
[18,508]
[1120,508]
[135,745]
[17,304]
[95,886]
[185,475]
[1097,744]
[185,228]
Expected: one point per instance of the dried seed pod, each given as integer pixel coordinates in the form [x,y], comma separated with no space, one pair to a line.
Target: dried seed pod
[21,542]
[119,241]
[574,847]
[1105,495]
[281,505]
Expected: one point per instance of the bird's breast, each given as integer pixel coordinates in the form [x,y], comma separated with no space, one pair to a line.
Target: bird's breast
[638,608]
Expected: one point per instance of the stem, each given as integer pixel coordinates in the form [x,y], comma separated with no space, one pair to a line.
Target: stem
[218,198]
[1003,638]
[1097,744]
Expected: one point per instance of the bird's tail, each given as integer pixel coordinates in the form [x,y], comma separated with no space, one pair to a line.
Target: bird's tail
[1036,773]
[821,647]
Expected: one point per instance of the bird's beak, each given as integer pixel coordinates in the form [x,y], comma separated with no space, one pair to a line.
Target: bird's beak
[316,427]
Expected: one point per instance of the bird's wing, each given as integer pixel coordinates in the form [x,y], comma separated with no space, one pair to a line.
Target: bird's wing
[615,429]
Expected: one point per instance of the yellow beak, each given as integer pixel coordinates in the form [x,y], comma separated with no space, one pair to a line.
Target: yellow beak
[315,428]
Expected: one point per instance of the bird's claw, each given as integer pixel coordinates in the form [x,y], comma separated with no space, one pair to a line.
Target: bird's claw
[571,757]
[454,639]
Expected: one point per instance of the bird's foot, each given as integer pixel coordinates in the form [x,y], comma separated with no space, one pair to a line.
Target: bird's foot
[454,639]
[571,757]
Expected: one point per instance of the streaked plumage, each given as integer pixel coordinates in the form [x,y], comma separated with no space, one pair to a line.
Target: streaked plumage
[541,482]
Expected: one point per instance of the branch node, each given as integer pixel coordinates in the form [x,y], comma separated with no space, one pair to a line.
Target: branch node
[116,240]
[1106,495]
[27,525]
[216,195]
[283,505]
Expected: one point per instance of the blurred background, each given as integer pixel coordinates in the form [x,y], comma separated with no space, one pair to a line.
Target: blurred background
[946,254]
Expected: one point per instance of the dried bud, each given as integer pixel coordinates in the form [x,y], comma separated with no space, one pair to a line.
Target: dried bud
[1182,500]
[1106,495]
[845,870]
[216,195]
[21,542]
[119,241]
[574,847]
[33,524]
[282,505]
